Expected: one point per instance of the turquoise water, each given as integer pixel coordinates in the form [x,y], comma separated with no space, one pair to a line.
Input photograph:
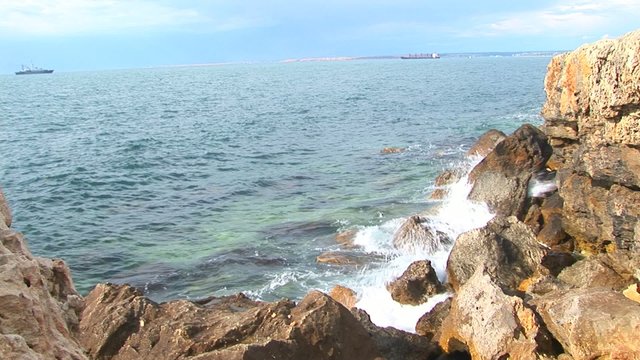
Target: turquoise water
[196,181]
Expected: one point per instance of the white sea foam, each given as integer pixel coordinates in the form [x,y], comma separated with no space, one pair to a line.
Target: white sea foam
[455,215]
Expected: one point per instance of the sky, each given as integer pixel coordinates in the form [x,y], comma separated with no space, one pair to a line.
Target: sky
[76,35]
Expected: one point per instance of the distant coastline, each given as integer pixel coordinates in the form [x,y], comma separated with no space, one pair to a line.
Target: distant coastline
[443,55]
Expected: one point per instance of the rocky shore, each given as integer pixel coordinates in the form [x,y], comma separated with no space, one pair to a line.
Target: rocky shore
[554,275]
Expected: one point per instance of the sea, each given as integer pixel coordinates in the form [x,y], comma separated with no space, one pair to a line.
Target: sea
[197,181]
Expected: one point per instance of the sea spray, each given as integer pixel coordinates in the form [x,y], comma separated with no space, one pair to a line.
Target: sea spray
[455,215]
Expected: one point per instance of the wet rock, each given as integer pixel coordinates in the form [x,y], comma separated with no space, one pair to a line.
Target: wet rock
[416,285]
[412,234]
[489,324]
[392,150]
[396,344]
[430,323]
[39,305]
[501,178]
[347,237]
[592,323]
[442,183]
[344,296]
[506,247]
[340,258]
[119,323]
[486,143]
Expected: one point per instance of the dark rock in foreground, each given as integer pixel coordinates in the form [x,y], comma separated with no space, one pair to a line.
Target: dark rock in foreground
[416,284]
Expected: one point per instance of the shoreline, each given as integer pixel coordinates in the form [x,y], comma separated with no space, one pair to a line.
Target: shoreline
[560,267]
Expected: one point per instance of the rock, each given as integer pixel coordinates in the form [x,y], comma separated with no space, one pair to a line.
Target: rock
[552,233]
[506,247]
[416,284]
[486,143]
[392,150]
[429,324]
[600,219]
[396,344]
[501,179]
[39,305]
[442,183]
[119,323]
[339,258]
[412,234]
[592,323]
[632,292]
[346,238]
[5,211]
[611,271]
[592,97]
[344,296]
[489,324]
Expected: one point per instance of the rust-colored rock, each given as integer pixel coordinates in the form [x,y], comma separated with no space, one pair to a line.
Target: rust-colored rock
[416,285]
[592,323]
[486,143]
[119,323]
[39,305]
[501,179]
[344,296]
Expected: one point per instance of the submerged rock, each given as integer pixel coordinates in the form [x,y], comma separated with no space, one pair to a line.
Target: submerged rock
[416,285]
[120,323]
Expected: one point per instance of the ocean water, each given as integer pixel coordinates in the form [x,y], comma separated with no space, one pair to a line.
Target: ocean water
[195,181]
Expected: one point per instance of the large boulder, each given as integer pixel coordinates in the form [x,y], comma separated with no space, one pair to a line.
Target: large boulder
[592,323]
[486,143]
[506,247]
[119,323]
[501,179]
[614,271]
[489,324]
[39,306]
[418,282]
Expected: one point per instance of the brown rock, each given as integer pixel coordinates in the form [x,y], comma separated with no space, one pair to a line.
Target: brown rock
[339,258]
[442,183]
[506,247]
[486,143]
[489,324]
[613,271]
[119,323]
[501,179]
[346,237]
[344,296]
[429,324]
[552,232]
[396,344]
[592,323]
[392,150]
[412,234]
[39,306]
[416,284]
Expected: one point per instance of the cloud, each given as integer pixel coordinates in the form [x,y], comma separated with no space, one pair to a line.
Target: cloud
[565,17]
[71,17]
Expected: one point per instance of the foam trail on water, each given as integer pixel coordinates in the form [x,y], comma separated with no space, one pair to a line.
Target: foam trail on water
[455,215]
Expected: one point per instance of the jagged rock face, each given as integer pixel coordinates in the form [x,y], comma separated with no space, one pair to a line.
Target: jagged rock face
[613,271]
[39,305]
[592,323]
[119,323]
[430,323]
[592,117]
[489,324]
[506,247]
[416,284]
[502,177]
[593,97]
[412,234]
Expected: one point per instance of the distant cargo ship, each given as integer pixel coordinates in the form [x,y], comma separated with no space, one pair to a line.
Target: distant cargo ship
[30,70]
[421,56]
